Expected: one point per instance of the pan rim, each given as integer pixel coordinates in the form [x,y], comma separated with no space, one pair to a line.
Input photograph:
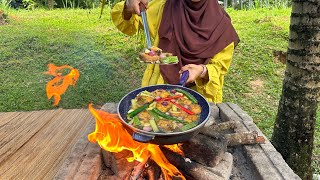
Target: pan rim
[136,130]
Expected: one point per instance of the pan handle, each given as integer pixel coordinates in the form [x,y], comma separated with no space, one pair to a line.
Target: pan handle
[184,77]
[142,137]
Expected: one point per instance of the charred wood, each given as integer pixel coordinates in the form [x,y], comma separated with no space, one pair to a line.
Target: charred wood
[205,150]
[118,163]
[190,169]
[244,138]
[138,170]
[215,130]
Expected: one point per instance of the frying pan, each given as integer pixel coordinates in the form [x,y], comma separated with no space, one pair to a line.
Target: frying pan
[163,138]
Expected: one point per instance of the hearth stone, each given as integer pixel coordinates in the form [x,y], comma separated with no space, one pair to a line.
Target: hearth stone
[250,162]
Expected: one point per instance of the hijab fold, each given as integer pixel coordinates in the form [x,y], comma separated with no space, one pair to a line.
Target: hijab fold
[195,32]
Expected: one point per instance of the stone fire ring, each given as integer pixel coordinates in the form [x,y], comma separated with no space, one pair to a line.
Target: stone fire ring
[249,162]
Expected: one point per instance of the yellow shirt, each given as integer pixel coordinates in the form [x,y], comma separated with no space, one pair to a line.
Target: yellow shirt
[210,88]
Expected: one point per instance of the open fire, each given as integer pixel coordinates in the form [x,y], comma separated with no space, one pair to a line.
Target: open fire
[113,137]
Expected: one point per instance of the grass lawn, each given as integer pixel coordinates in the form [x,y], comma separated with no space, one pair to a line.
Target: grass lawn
[108,69]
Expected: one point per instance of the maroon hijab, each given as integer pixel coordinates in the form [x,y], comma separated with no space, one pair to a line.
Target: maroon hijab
[195,32]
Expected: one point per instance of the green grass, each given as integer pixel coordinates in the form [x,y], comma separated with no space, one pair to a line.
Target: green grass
[104,57]
[108,69]
[261,32]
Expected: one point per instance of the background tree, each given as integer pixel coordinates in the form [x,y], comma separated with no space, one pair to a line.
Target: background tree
[50,4]
[295,122]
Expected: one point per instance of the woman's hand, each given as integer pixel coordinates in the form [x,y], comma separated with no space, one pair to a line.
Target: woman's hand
[195,71]
[133,5]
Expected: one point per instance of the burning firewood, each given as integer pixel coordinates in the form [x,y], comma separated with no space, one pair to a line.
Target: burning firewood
[214,149]
[192,170]
[137,170]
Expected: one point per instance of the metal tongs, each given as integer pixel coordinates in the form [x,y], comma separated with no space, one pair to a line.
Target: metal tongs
[168,60]
[145,25]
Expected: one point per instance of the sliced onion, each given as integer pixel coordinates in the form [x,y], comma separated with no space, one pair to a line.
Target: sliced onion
[147,128]
[180,124]
[164,103]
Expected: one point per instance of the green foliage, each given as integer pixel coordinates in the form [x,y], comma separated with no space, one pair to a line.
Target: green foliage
[5,4]
[29,4]
[256,4]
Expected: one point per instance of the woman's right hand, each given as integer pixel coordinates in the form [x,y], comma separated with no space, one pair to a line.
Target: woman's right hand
[134,5]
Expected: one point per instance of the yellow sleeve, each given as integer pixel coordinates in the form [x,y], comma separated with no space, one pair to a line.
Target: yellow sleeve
[131,26]
[218,66]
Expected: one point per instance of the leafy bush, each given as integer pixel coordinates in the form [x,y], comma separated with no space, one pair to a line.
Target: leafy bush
[5,3]
[254,4]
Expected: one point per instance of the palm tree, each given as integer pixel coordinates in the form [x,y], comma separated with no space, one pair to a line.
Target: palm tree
[295,121]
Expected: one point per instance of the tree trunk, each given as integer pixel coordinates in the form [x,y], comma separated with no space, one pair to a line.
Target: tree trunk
[50,4]
[295,121]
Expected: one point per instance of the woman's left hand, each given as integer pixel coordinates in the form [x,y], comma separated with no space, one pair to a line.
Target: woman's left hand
[194,71]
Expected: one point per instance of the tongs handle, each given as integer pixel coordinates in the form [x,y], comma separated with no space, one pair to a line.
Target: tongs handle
[145,24]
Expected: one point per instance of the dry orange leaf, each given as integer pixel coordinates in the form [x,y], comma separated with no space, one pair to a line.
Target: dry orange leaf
[59,84]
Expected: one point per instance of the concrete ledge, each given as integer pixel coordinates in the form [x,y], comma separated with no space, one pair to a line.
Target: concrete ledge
[267,162]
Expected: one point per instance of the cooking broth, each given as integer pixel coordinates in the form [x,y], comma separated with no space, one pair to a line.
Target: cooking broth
[164,111]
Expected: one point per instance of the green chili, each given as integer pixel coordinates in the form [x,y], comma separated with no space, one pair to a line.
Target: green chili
[156,117]
[188,95]
[189,126]
[137,111]
[164,115]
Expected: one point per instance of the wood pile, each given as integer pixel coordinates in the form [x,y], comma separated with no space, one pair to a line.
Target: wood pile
[202,154]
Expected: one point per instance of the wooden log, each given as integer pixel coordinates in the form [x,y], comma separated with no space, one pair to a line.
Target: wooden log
[217,128]
[233,139]
[214,149]
[244,138]
[153,171]
[118,164]
[190,169]
[138,170]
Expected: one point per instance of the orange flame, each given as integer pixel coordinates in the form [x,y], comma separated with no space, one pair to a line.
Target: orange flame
[175,148]
[113,137]
[59,84]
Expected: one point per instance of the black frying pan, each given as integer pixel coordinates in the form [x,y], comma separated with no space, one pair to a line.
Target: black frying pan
[163,138]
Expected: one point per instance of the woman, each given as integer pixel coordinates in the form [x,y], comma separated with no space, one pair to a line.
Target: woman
[199,32]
